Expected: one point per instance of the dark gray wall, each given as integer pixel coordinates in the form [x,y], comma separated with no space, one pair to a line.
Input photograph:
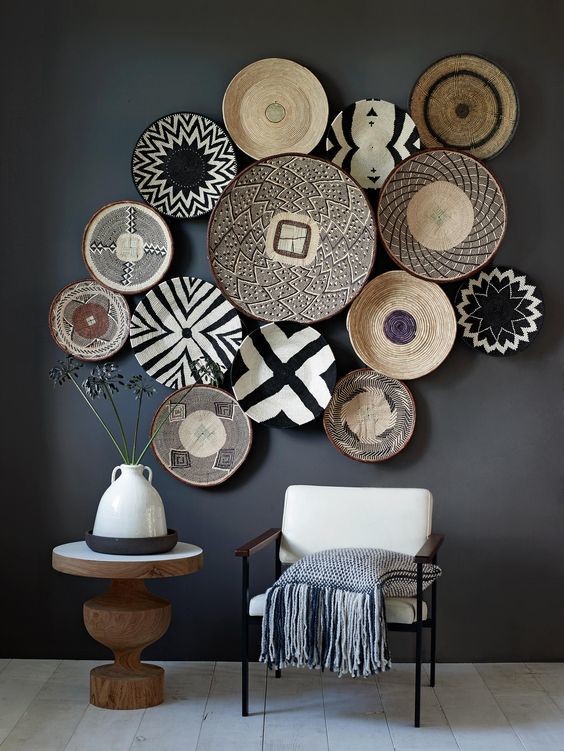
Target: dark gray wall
[81,81]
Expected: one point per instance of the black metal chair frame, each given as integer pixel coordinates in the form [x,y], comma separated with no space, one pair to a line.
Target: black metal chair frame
[427,554]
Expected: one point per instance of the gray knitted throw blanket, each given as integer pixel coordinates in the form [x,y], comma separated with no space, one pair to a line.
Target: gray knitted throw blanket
[328,609]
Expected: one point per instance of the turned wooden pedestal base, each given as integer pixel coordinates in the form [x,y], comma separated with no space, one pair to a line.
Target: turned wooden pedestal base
[127,618]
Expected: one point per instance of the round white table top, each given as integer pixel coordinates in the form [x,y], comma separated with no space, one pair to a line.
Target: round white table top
[77,558]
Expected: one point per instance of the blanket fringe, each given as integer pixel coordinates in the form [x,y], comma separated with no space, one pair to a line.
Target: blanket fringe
[334,629]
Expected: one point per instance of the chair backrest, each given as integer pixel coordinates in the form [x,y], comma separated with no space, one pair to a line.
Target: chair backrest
[319,518]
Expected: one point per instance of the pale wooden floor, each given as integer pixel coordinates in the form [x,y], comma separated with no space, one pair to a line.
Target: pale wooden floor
[481,707]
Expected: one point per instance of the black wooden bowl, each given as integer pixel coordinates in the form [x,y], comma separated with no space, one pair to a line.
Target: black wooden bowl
[132,545]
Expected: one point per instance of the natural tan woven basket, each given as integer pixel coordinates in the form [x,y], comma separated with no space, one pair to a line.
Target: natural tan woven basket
[441,215]
[274,106]
[401,326]
[465,102]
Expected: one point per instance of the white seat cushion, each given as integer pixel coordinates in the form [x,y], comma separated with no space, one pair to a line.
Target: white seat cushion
[398,609]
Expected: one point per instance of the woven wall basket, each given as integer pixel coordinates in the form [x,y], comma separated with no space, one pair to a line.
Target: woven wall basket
[401,326]
[500,312]
[284,374]
[89,321]
[370,417]
[180,321]
[127,247]
[181,164]
[205,437]
[274,106]
[368,138]
[465,102]
[292,239]
[441,215]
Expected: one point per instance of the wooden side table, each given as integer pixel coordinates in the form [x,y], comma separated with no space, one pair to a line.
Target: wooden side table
[127,618]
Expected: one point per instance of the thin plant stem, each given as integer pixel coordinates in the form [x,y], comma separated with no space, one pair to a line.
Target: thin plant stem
[118,418]
[100,420]
[158,428]
[136,428]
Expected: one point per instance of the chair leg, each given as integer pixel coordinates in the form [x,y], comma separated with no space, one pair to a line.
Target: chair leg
[433,656]
[245,640]
[278,673]
[418,644]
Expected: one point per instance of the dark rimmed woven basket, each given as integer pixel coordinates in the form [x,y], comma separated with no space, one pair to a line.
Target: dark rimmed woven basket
[192,473]
[475,181]
[392,412]
[466,102]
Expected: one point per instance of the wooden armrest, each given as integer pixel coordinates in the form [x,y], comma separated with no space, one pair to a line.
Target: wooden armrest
[244,551]
[429,549]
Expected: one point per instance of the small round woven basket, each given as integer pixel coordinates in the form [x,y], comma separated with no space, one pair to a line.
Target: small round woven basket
[402,326]
[441,215]
[274,106]
[465,102]
[370,417]
[89,321]
[204,435]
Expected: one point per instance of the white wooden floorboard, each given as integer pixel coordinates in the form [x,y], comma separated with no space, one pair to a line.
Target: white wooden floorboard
[508,676]
[550,676]
[354,715]
[4,661]
[176,723]
[397,692]
[105,729]
[294,717]
[52,717]
[47,725]
[20,682]
[222,724]
[536,719]
[476,720]
[504,707]
[533,714]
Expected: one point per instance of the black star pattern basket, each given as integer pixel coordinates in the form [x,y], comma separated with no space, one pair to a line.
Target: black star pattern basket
[182,163]
[500,311]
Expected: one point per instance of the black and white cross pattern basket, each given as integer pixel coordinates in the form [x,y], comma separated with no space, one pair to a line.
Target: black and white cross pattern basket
[284,374]
[180,321]
[182,163]
[500,311]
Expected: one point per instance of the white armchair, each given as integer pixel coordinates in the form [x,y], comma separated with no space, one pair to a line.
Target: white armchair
[319,518]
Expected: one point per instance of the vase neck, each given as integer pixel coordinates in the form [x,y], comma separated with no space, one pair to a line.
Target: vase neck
[132,468]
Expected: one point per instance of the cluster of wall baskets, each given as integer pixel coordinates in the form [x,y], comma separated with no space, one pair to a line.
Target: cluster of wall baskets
[292,241]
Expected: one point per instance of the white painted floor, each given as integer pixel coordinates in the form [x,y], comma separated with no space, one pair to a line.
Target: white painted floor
[474,707]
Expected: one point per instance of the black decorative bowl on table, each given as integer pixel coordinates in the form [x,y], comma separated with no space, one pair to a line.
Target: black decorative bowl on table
[132,545]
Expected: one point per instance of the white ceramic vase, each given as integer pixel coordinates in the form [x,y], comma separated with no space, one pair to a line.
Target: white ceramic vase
[130,507]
